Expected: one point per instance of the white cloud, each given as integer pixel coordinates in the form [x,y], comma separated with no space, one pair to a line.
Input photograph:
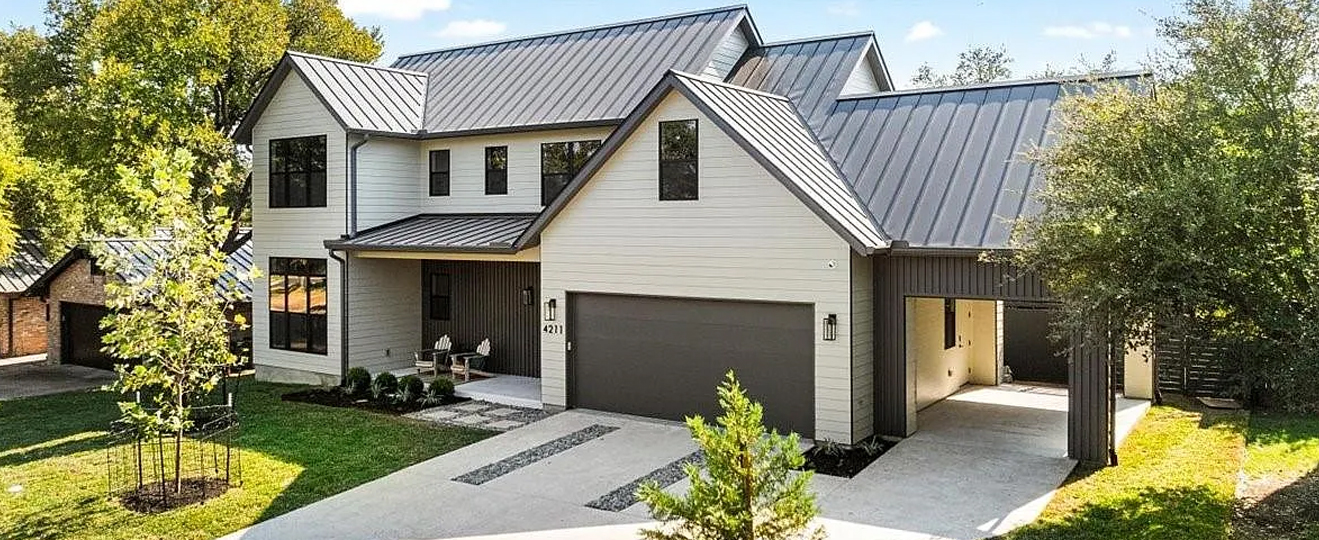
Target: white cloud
[393,9]
[476,28]
[923,30]
[846,8]
[1097,29]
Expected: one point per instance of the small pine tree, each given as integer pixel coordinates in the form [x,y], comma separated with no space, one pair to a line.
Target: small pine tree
[745,489]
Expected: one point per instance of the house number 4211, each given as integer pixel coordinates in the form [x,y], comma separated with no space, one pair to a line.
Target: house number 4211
[553,329]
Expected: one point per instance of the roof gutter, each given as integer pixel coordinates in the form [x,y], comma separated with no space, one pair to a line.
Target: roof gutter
[902,248]
[350,215]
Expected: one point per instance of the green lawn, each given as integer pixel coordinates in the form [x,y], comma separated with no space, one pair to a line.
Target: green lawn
[1280,492]
[294,454]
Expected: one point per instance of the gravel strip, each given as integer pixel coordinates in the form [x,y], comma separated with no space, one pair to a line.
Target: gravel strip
[625,496]
[532,455]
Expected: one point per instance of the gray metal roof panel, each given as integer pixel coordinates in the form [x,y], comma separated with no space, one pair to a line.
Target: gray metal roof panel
[577,76]
[440,232]
[25,266]
[363,96]
[141,254]
[809,72]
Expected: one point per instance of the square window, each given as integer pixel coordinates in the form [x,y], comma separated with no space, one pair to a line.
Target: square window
[297,172]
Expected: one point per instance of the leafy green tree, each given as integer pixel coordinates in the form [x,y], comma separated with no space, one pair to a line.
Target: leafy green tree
[745,489]
[111,79]
[173,318]
[1194,203]
[978,64]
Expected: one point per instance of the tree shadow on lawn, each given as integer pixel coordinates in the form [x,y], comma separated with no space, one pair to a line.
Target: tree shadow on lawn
[54,425]
[1288,512]
[1183,513]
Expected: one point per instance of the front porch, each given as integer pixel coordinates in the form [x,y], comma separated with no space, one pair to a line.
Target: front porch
[511,390]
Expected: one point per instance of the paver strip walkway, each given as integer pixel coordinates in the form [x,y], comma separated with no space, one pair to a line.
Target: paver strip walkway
[481,414]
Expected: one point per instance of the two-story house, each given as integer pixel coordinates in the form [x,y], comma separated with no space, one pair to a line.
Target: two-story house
[629,211]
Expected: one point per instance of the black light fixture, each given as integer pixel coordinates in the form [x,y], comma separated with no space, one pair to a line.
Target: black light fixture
[527,295]
[550,308]
[831,327]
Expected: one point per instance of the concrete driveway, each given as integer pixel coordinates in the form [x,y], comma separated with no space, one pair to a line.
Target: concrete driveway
[985,461]
[29,379]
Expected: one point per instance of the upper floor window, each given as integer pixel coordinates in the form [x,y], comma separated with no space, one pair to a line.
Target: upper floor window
[297,172]
[677,161]
[559,163]
[439,173]
[298,305]
[496,170]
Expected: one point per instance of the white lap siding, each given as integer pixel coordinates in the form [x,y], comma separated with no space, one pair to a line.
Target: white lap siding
[863,346]
[746,238]
[386,181]
[295,232]
[384,317]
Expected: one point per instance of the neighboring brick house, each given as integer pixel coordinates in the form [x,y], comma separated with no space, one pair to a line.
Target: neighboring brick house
[74,292]
[24,316]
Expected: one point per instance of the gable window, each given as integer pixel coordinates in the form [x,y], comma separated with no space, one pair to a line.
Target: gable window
[298,305]
[297,172]
[440,296]
[439,173]
[677,161]
[496,170]
[949,323]
[559,163]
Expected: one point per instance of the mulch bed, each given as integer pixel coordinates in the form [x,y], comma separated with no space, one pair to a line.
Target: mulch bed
[1278,509]
[151,499]
[844,461]
[332,397]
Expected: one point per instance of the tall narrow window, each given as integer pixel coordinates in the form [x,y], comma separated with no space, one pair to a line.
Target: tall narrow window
[298,299]
[439,169]
[441,296]
[297,172]
[496,170]
[677,161]
[949,323]
[559,163]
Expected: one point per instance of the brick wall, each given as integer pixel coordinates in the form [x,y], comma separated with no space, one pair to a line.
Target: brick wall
[29,325]
[75,284]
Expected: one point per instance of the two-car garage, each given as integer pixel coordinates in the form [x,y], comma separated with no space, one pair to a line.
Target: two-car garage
[663,357]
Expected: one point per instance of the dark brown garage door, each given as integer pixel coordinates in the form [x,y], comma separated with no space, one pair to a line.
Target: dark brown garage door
[80,335]
[663,357]
[1027,348]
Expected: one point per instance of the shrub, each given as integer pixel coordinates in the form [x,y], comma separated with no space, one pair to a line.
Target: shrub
[410,389]
[384,385]
[744,489]
[357,382]
[438,391]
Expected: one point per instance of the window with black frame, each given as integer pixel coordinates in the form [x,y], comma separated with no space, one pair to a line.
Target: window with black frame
[949,323]
[297,172]
[496,170]
[677,161]
[298,300]
[441,296]
[439,173]
[559,163]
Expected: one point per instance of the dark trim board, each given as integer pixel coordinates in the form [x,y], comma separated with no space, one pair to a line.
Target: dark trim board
[950,276]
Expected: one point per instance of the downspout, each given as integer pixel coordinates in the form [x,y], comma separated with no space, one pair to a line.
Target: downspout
[343,315]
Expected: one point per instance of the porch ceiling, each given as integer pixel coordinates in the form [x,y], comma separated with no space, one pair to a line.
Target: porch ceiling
[489,233]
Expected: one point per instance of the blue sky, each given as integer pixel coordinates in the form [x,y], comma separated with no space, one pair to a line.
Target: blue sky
[1036,33]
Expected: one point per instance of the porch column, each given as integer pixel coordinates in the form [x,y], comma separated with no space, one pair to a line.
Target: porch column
[1090,399]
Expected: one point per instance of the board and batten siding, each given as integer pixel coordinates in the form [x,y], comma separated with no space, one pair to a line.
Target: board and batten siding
[467,170]
[295,232]
[726,55]
[384,324]
[386,181]
[746,238]
[863,346]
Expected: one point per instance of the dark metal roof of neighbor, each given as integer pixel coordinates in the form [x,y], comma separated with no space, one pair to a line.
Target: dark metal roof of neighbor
[441,232]
[946,167]
[141,254]
[26,265]
[810,72]
[362,97]
[579,77]
[769,128]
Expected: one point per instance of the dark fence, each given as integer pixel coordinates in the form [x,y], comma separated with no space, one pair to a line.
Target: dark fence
[1191,365]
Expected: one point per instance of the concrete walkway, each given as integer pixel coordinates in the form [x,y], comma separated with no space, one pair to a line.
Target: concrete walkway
[985,461]
[20,380]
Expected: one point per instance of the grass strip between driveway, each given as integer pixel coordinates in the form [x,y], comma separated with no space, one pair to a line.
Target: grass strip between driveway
[294,454]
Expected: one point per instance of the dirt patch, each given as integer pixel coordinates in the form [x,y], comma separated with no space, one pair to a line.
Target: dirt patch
[153,498]
[1277,509]
[333,397]
[845,461]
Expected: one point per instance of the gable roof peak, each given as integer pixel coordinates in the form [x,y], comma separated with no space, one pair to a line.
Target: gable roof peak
[353,63]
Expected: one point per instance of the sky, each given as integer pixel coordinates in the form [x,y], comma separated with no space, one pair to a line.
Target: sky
[1036,33]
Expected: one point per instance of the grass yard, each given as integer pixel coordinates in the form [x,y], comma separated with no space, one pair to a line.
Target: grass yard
[294,454]
[1279,495]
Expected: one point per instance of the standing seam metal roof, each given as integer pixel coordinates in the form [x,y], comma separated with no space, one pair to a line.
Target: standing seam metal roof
[441,232]
[589,75]
[27,264]
[810,72]
[141,254]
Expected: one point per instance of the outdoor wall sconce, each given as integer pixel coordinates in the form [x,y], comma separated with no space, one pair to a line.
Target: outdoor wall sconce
[527,295]
[551,306]
[831,327]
